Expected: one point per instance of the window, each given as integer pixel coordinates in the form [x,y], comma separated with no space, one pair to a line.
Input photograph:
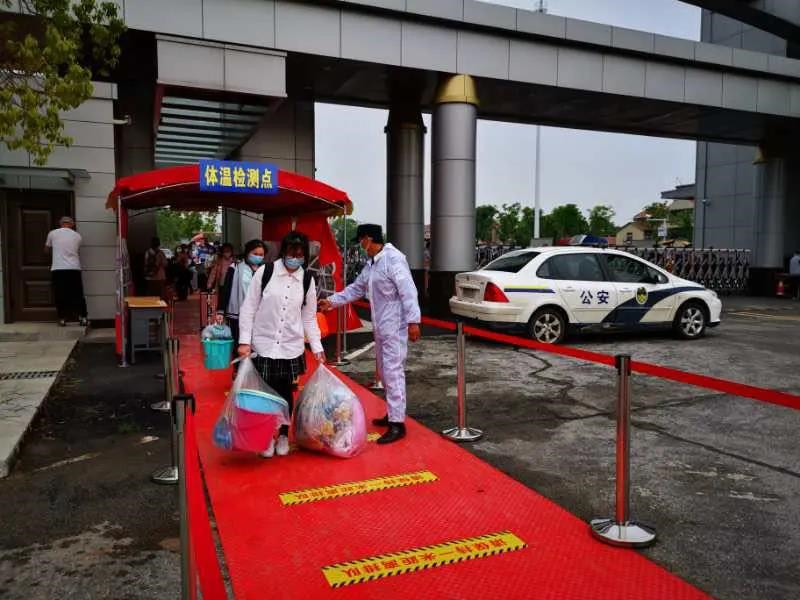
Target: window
[511,264]
[578,267]
[629,236]
[629,270]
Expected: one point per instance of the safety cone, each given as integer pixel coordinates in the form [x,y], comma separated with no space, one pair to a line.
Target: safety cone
[780,289]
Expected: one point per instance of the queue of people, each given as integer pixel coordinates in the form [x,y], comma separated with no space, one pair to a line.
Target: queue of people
[271,311]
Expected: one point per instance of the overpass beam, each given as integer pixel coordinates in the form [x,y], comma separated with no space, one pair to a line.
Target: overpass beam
[405,199]
[453,182]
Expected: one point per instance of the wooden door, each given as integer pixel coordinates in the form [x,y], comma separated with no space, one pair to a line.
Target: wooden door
[30,215]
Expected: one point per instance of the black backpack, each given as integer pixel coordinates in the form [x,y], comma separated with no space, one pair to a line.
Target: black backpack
[270,267]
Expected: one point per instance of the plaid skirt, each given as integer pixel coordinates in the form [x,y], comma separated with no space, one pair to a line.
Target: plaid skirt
[280,368]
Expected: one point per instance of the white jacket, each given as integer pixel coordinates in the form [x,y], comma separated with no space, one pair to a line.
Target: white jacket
[276,323]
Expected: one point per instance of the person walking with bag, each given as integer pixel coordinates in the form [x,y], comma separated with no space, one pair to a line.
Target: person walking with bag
[387,281]
[278,313]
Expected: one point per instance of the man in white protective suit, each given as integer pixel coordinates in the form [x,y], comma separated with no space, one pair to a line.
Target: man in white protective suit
[386,280]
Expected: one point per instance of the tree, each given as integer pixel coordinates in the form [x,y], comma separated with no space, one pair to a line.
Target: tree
[174,227]
[47,62]
[508,221]
[566,221]
[681,224]
[339,224]
[657,210]
[485,220]
[601,220]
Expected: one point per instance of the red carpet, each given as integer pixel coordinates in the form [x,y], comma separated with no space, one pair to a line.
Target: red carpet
[274,550]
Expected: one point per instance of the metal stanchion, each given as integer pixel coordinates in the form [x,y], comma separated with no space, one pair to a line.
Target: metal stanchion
[461,433]
[620,530]
[179,416]
[339,360]
[164,405]
[377,384]
[168,475]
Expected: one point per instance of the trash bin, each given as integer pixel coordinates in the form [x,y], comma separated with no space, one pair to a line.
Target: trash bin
[217,353]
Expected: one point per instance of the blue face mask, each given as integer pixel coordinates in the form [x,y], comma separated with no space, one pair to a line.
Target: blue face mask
[255,259]
[293,263]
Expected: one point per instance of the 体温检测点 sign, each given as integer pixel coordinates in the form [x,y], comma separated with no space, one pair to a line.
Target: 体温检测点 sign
[235,176]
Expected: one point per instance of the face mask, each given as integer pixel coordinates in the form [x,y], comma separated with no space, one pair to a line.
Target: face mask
[255,259]
[293,263]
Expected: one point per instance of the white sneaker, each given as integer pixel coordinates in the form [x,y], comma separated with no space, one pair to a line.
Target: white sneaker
[270,451]
[283,446]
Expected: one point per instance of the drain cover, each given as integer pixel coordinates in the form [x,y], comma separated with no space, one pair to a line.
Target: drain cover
[27,375]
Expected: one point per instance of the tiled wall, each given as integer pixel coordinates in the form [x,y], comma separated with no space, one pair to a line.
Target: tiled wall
[90,126]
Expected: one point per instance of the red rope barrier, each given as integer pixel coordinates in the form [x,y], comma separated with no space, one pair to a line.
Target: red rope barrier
[702,381]
[204,553]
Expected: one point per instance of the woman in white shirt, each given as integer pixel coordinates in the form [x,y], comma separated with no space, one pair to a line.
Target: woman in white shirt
[274,321]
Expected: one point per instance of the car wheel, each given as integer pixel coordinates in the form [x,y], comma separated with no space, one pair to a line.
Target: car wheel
[548,325]
[690,322]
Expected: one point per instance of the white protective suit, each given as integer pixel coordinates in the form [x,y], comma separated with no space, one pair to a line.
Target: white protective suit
[393,297]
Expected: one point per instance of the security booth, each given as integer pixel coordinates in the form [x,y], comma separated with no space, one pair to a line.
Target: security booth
[283,201]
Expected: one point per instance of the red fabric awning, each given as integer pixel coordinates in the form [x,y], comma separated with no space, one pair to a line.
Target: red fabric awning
[179,188]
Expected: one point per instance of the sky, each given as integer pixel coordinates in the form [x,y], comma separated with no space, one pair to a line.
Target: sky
[581,167]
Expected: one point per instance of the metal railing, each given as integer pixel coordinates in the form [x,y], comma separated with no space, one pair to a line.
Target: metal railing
[724,270]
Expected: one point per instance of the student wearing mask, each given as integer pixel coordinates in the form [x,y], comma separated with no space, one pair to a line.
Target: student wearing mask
[237,282]
[278,313]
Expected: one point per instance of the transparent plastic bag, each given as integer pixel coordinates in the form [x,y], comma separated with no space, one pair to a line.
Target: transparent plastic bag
[216,332]
[329,418]
[252,413]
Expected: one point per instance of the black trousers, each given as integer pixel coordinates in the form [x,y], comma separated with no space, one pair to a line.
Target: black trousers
[68,294]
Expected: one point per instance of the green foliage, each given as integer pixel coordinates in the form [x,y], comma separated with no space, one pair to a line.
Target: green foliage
[47,62]
[681,224]
[339,225]
[508,221]
[566,221]
[174,227]
[657,210]
[601,220]
[485,220]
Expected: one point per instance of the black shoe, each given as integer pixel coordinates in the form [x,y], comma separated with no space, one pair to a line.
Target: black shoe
[396,431]
[382,422]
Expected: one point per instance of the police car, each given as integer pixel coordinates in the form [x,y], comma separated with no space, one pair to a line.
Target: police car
[553,290]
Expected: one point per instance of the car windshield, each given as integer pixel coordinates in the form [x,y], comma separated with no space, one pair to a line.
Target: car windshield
[511,263]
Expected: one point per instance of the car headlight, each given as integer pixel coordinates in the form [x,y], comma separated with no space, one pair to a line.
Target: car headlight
[713,293]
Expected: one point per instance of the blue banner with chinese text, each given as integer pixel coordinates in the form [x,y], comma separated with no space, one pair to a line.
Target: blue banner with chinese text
[235,176]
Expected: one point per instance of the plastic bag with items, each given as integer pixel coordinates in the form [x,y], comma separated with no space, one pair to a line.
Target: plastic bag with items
[217,331]
[329,418]
[252,414]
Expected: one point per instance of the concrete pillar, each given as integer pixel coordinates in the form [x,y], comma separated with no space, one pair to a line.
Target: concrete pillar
[777,217]
[453,180]
[405,199]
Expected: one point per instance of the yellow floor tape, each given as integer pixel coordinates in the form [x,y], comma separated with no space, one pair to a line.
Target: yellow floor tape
[417,559]
[356,487]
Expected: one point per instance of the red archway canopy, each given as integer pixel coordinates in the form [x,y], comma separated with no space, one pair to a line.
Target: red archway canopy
[179,188]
